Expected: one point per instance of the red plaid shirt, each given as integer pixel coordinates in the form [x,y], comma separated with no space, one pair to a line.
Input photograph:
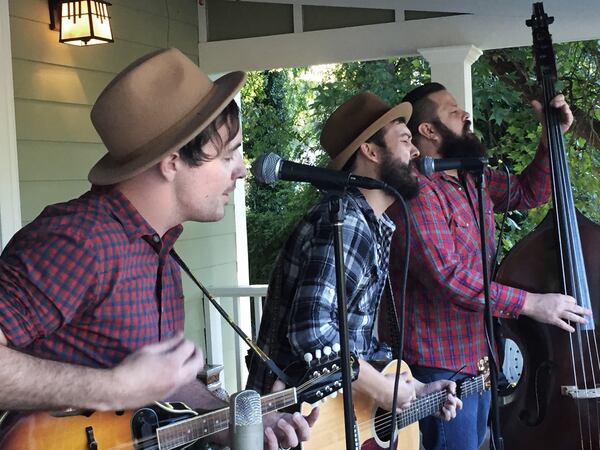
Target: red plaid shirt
[444,296]
[89,281]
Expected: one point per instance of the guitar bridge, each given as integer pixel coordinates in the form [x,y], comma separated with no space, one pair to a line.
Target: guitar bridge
[580,394]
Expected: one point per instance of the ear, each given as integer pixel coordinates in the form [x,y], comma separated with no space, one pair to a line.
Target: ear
[169,165]
[428,131]
[368,151]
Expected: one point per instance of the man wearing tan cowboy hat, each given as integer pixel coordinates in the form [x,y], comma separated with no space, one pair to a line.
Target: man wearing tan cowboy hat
[369,138]
[91,281]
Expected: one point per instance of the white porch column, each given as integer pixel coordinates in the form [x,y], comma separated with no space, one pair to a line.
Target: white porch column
[10,206]
[451,66]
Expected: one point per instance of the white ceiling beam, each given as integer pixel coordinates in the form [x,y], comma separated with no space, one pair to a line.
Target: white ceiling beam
[386,40]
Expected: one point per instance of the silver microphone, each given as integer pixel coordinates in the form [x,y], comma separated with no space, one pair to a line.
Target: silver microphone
[245,421]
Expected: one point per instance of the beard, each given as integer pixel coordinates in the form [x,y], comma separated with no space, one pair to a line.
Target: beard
[399,175]
[464,145]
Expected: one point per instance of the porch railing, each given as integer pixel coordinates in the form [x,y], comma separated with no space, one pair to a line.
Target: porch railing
[246,303]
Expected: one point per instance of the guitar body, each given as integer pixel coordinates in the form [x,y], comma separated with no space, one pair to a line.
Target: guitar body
[33,431]
[328,433]
[122,430]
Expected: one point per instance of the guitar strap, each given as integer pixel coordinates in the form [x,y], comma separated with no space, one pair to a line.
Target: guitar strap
[255,348]
[393,323]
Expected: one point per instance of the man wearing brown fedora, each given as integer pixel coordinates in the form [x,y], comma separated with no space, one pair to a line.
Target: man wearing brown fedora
[92,280]
[369,138]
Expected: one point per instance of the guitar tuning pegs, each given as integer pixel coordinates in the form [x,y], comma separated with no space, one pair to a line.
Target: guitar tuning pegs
[336,347]
[327,351]
[308,357]
[318,353]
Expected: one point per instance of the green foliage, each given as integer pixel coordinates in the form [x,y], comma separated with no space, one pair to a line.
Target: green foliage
[284,111]
[511,131]
[275,108]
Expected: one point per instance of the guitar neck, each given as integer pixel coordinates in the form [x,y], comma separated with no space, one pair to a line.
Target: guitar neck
[186,431]
[432,403]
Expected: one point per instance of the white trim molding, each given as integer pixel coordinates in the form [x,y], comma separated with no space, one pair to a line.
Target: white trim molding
[10,203]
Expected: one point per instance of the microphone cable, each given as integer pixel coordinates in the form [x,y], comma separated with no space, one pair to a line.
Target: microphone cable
[399,321]
[506,168]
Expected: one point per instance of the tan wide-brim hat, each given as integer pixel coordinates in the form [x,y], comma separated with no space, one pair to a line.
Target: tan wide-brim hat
[156,105]
[359,118]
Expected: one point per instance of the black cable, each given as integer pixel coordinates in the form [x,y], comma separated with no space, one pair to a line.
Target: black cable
[506,168]
[399,320]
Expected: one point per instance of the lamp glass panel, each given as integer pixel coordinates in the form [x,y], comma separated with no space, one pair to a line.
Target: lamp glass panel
[75,21]
[100,21]
[82,26]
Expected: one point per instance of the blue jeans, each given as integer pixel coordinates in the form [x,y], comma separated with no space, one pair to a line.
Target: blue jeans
[465,432]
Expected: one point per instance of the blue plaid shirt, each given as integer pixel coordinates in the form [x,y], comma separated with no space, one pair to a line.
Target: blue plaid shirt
[301,314]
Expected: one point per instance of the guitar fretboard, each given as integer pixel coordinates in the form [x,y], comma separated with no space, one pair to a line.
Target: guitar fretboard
[186,431]
[432,403]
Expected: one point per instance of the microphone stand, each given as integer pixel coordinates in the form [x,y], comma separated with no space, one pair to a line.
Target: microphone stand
[336,217]
[496,437]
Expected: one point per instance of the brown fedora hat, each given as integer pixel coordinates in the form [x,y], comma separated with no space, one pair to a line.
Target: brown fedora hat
[154,106]
[355,121]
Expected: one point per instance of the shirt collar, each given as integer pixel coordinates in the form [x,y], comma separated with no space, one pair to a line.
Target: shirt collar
[368,212]
[439,176]
[134,225]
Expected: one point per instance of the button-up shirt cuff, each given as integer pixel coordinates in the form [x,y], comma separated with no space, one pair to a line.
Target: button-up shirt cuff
[509,301]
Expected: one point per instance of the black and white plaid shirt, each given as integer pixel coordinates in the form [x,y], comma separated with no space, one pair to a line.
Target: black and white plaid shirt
[300,314]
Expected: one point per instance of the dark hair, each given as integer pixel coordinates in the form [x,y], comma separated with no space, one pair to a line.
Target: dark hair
[193,153]
[424,109]
[378,139]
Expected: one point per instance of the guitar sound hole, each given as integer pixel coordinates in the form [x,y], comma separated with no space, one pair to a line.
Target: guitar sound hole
[383,431]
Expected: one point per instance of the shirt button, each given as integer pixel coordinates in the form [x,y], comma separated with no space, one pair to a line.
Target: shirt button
[156,238]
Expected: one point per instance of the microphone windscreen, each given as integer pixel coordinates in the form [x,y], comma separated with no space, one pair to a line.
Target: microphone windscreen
[264,168]
[247,408]
[245,421]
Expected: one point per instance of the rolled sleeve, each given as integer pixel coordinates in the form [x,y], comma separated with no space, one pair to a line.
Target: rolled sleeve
[43,280]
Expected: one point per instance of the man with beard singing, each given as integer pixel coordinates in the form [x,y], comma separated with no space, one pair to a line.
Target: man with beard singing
[444,323]
[369,138]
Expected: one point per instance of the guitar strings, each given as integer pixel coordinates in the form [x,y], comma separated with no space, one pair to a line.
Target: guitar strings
[421,403]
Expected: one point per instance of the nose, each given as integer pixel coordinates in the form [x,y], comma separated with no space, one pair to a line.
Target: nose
[414,152]
[240,169]
[466,116]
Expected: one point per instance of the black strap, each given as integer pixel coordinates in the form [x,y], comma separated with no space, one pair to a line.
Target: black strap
[262,355]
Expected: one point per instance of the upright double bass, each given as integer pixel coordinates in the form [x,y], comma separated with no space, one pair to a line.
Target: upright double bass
[556,402]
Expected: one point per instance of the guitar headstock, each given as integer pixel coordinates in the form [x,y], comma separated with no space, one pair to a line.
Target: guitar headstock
[483,369]
[321,374]
[542,42]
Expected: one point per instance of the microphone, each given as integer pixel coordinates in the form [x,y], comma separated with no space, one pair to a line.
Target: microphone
[245,421]
[427,165]
[269,167]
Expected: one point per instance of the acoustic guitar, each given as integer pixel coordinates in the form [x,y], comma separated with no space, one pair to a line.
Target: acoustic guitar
[160,426]
[373,423]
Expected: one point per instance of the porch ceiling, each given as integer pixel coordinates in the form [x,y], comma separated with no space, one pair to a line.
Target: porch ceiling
[486,24]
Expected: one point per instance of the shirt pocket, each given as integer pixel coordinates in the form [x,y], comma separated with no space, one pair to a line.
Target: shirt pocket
[466,236]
